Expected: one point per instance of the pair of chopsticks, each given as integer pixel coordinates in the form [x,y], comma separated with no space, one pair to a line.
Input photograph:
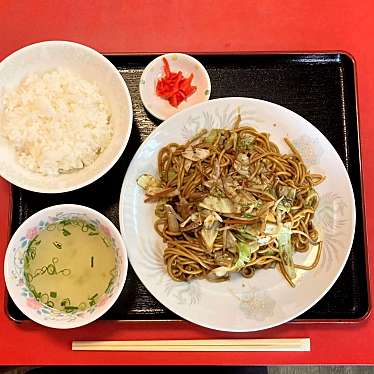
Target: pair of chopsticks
[214,345]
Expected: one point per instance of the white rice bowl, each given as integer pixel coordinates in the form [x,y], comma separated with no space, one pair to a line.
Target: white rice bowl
[58,166]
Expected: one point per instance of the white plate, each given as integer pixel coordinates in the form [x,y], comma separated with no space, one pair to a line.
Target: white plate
[160,108]
[266,300]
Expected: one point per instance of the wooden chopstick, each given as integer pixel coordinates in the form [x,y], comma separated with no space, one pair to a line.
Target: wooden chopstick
[214,345]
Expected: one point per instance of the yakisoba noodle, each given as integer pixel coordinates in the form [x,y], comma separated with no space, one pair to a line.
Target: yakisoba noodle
[229,201]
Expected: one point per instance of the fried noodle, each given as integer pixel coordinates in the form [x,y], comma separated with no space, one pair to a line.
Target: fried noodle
[229,201]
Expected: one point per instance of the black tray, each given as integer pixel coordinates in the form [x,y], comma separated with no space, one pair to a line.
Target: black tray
[319,87]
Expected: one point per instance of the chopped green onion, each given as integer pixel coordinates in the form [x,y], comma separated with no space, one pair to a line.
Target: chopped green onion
[44,298]
[65,222]
[28,277]
[58,245]
[105,240]
[70,309]
[92,297]
[92,300]
[53,294]
[65,272]
[66,232]
[92,261]
[82,306]
[51,269]
[65,302]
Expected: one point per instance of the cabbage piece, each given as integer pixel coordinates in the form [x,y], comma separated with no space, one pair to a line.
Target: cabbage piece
[286,249]
[284,206]
[258,208]
[252,231]
[197,138]
[233,190]
[271,191]
[160,208]
[217,217]
[196,154]
[230,186]
[244,250]
[194,217]
[241,164]
[195,220]
[252,206]
[219,204]
[223,258]
[215,184]
[264,240]
[216,191]
[148,182]
[263,210]
[237,121]
[216,170]
[212,136]
[210,231]
[169,175]
[157,193]
[229,241]
[271,229]
[246,233]
[184,208]
[231,141]
[187,165]
[172,218]
[288,196]
[288,192]
[246,142]
[251,234]
[311,199]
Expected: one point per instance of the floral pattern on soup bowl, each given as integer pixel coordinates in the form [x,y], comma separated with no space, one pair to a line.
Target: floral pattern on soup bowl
[14,267]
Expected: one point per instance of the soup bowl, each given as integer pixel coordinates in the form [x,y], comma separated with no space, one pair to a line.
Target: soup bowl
[14,267]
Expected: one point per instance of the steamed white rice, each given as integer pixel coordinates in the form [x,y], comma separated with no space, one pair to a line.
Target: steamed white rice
[57,122]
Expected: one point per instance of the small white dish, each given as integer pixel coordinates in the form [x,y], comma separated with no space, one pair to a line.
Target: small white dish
[160,108]
[90,65]
[14,268]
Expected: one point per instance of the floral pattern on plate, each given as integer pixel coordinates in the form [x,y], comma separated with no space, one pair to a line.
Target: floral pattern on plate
[267,300]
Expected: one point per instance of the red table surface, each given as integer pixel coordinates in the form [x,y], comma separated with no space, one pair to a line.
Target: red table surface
[196,26]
